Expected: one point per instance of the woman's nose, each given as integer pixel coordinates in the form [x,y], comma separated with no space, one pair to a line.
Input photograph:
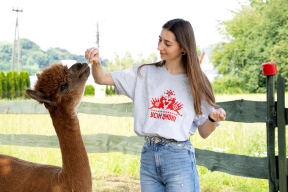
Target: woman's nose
[159,47]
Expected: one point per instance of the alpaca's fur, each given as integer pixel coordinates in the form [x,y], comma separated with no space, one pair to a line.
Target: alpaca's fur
[17,175]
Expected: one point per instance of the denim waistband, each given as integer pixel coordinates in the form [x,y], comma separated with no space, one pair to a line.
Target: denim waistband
[161,140]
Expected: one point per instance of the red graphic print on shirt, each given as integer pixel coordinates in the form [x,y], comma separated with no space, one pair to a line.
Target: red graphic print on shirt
[166,108]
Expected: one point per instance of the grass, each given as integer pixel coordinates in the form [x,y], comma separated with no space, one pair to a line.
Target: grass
[119,172]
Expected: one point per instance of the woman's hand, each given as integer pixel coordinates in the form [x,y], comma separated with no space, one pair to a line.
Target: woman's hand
[208,127]
[92,54]
[100,76]
[218,114]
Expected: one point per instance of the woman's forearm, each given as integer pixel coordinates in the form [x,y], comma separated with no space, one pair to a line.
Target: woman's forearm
[207,128]
[100,76]
[98,73]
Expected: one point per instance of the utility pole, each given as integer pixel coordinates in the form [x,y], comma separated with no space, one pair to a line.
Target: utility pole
[97,35]
[19,47]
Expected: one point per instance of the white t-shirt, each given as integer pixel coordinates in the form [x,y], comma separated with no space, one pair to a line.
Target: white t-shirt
[163,103]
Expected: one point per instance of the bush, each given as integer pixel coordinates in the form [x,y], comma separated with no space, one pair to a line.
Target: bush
[89,90]
[10,87]
[226,85]
[110,90]
[13,85]
[24,82]
[27,79]
[3,82]
[1,89]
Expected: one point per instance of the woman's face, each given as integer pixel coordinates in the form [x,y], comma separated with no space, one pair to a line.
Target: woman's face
[168,46]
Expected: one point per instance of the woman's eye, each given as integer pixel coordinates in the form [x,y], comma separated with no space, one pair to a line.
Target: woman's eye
[168,45]
[63,87]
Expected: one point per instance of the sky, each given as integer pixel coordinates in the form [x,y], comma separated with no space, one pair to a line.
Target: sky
[124,25]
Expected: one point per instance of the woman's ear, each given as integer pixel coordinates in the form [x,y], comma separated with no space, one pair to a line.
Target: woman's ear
[183,52]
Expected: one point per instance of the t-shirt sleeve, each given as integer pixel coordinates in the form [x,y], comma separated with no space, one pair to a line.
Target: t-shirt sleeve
[200,119]
[125,81]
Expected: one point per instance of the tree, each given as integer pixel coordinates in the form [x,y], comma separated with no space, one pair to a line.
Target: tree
[55,55]
[13,85]
[5,56]
[89,90]
[32,69]
[1,89]
[23,84]
[15,81]
[198,48]
[122,63]
[256,34]
[26,44]
[34,59]
[10,87]
[110,90]
[27,80]
[26,84]
[3,82]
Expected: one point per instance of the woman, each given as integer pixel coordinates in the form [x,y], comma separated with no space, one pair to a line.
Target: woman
[172,98]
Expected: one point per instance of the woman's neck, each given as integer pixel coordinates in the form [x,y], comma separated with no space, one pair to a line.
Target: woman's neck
[175,67]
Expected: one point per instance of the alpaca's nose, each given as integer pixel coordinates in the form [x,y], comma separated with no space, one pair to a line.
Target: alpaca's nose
[79,66]
[83,70]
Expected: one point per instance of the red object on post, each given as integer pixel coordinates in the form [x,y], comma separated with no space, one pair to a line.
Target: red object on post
[269,68]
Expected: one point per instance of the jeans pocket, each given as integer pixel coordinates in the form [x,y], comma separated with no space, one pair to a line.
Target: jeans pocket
[178,147]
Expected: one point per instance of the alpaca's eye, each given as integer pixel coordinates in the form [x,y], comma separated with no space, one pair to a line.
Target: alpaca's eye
[63,87]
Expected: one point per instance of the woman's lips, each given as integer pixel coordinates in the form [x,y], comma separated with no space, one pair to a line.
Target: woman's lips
[162,53]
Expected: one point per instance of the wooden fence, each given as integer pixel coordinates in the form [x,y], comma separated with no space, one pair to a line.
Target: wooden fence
[271,167]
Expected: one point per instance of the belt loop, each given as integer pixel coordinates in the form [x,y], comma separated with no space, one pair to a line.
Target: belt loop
[149,140]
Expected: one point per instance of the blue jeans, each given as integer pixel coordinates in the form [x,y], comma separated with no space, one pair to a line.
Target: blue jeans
[169,167]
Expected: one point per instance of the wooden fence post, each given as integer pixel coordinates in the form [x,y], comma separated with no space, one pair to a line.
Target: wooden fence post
[272,178]
[281,122]
[269,70]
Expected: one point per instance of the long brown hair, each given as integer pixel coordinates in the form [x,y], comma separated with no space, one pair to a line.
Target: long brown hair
[200,85]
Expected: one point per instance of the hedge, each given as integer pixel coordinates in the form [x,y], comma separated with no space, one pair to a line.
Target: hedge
[13,85]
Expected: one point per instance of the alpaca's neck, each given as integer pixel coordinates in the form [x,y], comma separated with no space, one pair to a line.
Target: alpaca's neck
[74,156]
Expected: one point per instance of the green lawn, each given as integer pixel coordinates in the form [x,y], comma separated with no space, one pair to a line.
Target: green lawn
[119,172]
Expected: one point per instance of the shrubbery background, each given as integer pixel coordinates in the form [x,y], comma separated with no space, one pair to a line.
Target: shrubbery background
[12,85]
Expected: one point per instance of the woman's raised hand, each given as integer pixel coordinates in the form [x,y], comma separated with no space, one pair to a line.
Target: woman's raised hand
[92,54]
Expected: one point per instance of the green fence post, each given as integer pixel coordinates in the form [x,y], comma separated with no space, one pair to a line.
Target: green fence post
[271,133]
[281,122]
[269,69]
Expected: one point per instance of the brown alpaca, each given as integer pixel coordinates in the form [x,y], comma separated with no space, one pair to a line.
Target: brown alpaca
[61,91]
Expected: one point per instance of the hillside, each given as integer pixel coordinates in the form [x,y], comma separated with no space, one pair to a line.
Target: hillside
[34,59]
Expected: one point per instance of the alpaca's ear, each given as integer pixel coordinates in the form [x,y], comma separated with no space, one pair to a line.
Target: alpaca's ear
[38,96]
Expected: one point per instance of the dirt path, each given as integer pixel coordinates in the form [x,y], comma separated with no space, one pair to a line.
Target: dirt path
[116,183]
